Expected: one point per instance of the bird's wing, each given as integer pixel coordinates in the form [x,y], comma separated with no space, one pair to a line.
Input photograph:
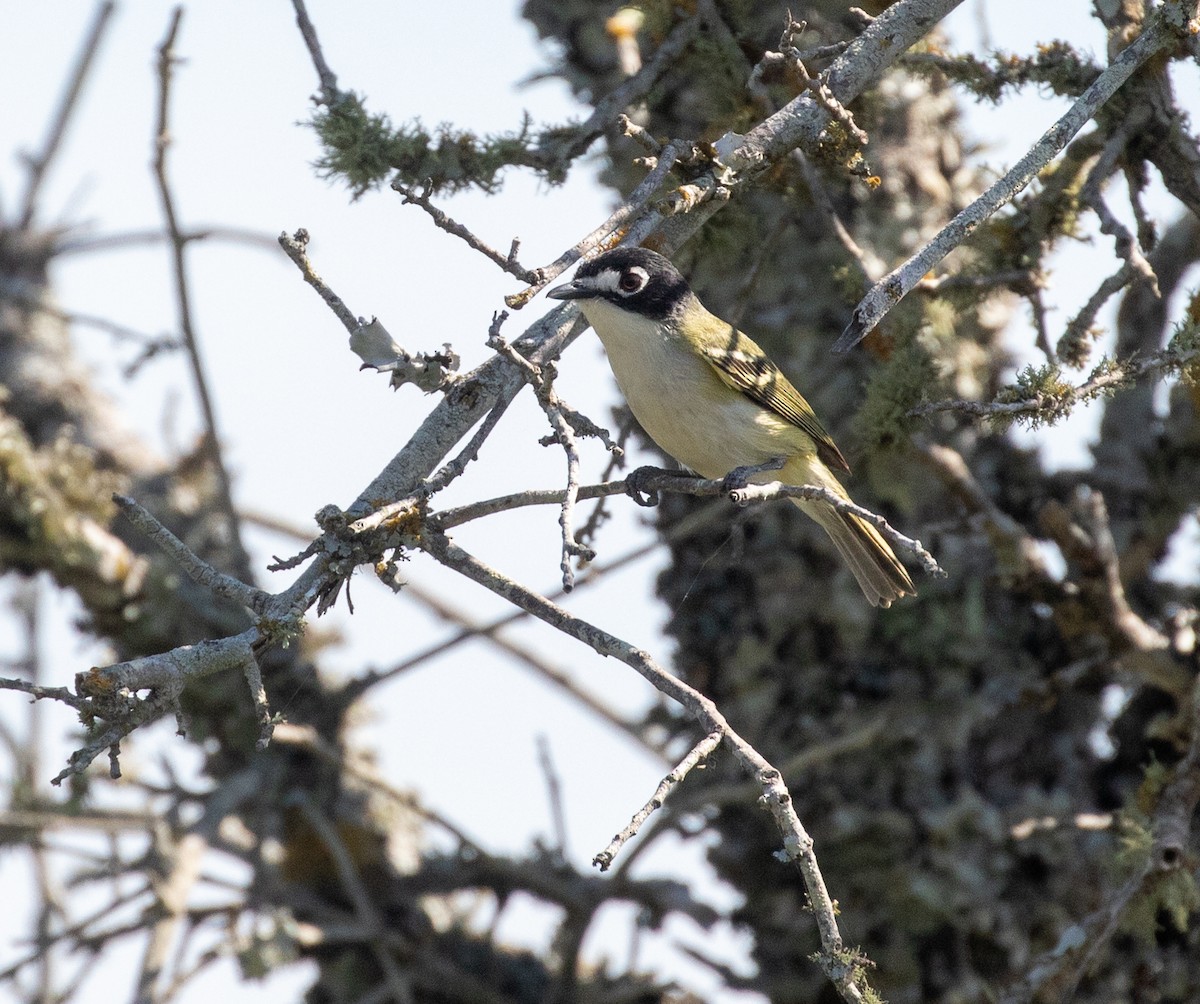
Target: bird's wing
[741,364]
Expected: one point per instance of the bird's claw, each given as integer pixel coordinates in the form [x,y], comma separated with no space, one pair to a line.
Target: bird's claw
[638,489]
[739,477]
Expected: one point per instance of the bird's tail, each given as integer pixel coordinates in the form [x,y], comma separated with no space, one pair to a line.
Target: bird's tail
[879,573]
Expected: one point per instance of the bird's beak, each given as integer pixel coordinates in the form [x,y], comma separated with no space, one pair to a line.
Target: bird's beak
[575,290]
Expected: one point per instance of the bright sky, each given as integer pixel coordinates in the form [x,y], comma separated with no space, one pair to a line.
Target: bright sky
[303,427]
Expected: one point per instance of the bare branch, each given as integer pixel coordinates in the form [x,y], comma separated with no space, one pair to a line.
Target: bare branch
[197,569]
[1107,377]
[329,85]
[609,107]
[660,167]
[42,693]
[696,756]
[296,248]
[39,164]
[1093,546]
[797,844]
[507,262]
[162,140]
[565,422]
[111,688]
[469,453]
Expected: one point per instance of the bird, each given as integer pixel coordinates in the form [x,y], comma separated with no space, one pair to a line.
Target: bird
[710,397]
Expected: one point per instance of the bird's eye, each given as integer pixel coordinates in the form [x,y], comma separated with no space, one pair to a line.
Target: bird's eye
[631,281]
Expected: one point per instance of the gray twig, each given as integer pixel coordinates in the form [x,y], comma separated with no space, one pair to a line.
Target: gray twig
[296,248]
[1107,377]
[329,85]
[797,844]
[39,164]
[455,467]
[632,89]
[565,422]
[162,141]
[42,693]
[196,567]
[638,199]
[696,756]
[111,688]
[776,489]
[508,262]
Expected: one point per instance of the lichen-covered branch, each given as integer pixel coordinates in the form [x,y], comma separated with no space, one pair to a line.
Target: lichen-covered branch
[886,293]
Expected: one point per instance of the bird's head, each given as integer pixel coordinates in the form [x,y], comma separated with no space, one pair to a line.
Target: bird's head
[630,278]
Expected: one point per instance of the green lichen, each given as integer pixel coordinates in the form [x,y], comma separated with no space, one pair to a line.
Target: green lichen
[904,381]
[364,149]
[1056,65]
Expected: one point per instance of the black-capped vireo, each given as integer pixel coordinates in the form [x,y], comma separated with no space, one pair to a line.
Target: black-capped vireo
[709,396]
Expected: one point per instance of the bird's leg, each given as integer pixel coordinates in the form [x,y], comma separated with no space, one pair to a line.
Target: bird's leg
[644,493]
[739,477]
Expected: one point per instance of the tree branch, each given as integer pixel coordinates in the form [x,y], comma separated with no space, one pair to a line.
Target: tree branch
[162,140]
[842,967]
[696,757]
[889,290]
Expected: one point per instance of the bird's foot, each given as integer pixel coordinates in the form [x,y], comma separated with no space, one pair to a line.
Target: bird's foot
[740,477]
[639,487]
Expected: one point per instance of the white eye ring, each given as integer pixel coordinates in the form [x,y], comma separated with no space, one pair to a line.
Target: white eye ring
[633,280]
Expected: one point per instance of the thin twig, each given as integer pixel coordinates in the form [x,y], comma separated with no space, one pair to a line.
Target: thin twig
[565,422]
[775,489]
[1073,344]
[866,263]
[42,693]
[817,87]
[797,844]
[696,756]
[111,689]
[508,262]
[39,164]
[637,201]
[554,795]
[240,559]
[469,453]
[1093,195]
[668,481]
[886,293]
[329,85]
[616,461]
[632,89]
[296,248]
[200,571]
[1092,546]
